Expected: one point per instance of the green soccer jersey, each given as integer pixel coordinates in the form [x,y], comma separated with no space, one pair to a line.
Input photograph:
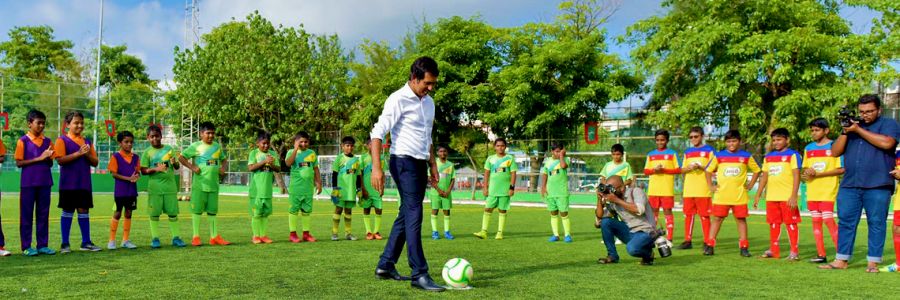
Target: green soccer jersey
[303,172]
[348,168]
[611,168]
[161,183]
[557,177]
[446,173]
[500,168]
[207,157]
[261,180]
[367,173]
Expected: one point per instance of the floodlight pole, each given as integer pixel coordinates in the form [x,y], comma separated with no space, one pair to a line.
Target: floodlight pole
[99,52]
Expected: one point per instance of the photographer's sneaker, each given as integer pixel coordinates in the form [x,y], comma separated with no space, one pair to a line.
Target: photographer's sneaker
[745,252]
[435,235]
[554,238]
[892,268]
[111,245]
[708,250]
[819,260]
[686,245]
[567,239]
[481,234]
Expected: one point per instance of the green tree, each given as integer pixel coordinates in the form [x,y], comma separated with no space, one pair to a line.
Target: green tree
[118,67]
[885,36]
[252,76]
[749,65]
[33,52]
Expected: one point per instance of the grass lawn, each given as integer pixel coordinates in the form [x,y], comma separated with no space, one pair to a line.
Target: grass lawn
[524,265]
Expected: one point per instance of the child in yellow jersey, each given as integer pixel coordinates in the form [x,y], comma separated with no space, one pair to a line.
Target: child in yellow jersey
[781,181]
[662,166]
[730,167]
[696,196]
[822,173]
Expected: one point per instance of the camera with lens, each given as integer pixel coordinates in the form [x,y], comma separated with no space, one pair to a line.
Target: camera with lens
[847,117]
[605,188]
[663,246]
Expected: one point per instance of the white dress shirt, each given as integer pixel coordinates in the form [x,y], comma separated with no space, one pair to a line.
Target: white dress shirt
[409,119]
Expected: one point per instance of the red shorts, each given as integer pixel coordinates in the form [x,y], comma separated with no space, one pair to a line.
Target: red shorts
[700,206]
[897,218]
[667,202]
[820,206]
[721,211]
[779,212]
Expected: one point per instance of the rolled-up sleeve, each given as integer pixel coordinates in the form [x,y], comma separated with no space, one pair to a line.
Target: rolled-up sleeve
[640,200]
[390,114]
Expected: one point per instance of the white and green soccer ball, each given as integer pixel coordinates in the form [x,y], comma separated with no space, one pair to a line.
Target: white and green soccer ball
[457,273]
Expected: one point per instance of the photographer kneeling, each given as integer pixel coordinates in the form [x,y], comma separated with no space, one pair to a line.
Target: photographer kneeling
[624,214]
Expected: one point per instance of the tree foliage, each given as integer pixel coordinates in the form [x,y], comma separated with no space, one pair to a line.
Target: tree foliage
[34,52]
[252,76]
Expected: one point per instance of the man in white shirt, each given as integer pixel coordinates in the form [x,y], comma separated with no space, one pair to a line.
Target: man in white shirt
[408,115]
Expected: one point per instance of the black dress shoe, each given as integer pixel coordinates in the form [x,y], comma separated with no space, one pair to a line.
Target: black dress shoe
[425,283]
[392,274]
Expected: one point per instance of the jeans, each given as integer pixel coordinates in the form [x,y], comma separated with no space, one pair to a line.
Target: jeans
[638,244]
[850,203]
[411,176]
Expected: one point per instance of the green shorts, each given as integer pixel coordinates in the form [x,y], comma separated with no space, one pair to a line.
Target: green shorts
[300,203]
[370,202]
[558,203]
[163,203]
[345,204]
[204,202]
[261,207]
[438,202]
[500,202]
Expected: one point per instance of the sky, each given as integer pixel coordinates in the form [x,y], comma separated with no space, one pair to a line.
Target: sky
[152,29]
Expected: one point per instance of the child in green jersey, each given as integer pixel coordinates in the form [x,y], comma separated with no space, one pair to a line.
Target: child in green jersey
[304,178]
[346,178]
[618,166]
[440,196]
[374,198]
[263,166]
[159,164]
[499,186]
[555,190]
[206,159]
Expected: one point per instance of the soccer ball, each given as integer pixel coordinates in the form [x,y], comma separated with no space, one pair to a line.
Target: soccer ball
[457,273]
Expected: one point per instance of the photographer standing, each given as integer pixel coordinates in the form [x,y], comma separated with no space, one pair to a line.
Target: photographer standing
[867,144]
[634,225]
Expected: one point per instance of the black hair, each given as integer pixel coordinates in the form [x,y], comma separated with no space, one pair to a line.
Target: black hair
[556,146]
[154,128]
[870,98]
[733,134]
[72,115]
[301,135]
[780,132]
[697,129]
[421,66]
[618,148]
[124,134]
[500,139]
[35,114]
[442,146]
[348,140]
[662,132]
[206,126]
[263,136]
[819,122]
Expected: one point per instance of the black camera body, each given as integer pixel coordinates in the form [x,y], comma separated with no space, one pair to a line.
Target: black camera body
[605,188]
[847,117]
